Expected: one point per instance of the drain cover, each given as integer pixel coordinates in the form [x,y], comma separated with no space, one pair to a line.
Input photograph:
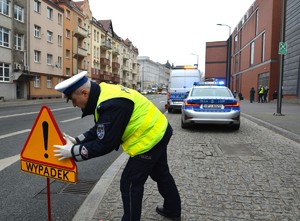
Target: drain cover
[82,187]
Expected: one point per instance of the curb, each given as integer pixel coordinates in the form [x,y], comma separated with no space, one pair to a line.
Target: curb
[286,133]
[89,207]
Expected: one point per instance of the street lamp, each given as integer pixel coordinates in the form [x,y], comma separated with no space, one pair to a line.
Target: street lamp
[228,63]
[197,59]
[226,26]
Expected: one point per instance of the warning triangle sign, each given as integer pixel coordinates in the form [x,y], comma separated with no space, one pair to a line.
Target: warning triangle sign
[39,145]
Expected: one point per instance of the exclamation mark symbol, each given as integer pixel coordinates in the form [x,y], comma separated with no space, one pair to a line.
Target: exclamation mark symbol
[45,133]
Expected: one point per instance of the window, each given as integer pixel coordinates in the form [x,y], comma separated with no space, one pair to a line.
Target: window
[236,65]
[37,31]
[67,54]
[19,41]
[37,56]
[4,7]
[68,33]
[236,43]
[256,23]
[49,36]
[263,47]
[4,72]
[59,62]
[49,13]
[49,82]
[4,37]
[37,81]
[59,39]
[67,71]
[68,14]
[59,19]
[37,6]
[49,59]
[252,53]
[19,13]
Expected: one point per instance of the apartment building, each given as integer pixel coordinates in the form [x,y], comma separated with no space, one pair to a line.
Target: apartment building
[46,41]
[14,77]
[45,54]
[153,74]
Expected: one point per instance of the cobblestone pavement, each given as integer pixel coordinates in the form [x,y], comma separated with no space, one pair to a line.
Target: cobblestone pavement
[251,174]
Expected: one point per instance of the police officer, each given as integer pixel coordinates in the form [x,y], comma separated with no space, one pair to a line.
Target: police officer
[261,92]
[123,117]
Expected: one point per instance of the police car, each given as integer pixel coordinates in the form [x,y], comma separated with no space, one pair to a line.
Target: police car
[210,103]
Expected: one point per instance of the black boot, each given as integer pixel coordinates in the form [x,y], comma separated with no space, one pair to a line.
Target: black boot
[160,210]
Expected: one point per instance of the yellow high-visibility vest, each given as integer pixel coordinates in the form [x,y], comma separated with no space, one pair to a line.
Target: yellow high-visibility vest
[147,124]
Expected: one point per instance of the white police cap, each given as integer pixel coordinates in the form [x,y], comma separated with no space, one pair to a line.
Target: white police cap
[72,83]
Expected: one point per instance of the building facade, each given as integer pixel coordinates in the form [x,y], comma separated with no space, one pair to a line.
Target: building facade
[255,58]
[291,68]
[46,41]
[153,74]
[215,60]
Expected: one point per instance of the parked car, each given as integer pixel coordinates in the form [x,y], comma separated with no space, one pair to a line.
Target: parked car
[164,92]
[210,104]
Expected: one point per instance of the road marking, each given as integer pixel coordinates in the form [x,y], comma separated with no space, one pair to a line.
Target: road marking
[14,133]
[8,161]
[76,118]
[36,112]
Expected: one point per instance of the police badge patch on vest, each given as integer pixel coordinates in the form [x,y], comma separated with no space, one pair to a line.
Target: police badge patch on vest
[84,152]
[100,131]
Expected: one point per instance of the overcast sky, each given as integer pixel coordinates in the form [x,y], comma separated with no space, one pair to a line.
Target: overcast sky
[172,29]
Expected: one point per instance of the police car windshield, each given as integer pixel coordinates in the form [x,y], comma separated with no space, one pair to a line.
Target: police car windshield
[210,92]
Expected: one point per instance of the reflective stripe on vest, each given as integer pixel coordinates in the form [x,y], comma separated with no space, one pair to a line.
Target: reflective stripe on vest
[147,124]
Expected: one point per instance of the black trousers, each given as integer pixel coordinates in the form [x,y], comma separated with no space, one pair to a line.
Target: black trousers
[154,164]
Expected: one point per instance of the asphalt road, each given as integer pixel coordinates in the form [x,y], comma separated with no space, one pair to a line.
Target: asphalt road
[24,195]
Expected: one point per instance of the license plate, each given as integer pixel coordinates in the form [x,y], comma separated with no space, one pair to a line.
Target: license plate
[212,105]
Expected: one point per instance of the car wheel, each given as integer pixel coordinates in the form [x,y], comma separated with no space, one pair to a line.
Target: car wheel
[235,126]
[184,125]
[170,110]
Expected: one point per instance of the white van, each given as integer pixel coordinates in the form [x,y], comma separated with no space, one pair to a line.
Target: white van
[181,81]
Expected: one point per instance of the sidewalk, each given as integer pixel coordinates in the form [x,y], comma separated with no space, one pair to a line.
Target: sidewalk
[265,114]
[204,175]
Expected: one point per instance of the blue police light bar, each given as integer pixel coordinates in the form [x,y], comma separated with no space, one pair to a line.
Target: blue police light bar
[207,83]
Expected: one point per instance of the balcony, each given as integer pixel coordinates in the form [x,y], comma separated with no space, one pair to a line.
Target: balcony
[80,32]
[125,56]
[105,76]
[104,61]
[95,75]
[134,71]
[115,50]
[106,45]
[81,52]
[115,79]
[125,68]
[115,65]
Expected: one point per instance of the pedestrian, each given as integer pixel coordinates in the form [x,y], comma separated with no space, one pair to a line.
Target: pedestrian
[274,95]
[234,93]
[241,96]
[123,117]
[261,94]
[266,90]
[252,95]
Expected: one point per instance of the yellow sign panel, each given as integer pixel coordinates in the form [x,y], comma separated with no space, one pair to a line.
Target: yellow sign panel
[50,172]
[39,150]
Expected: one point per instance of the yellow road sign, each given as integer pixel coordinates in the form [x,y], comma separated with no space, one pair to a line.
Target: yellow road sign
[37,155]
